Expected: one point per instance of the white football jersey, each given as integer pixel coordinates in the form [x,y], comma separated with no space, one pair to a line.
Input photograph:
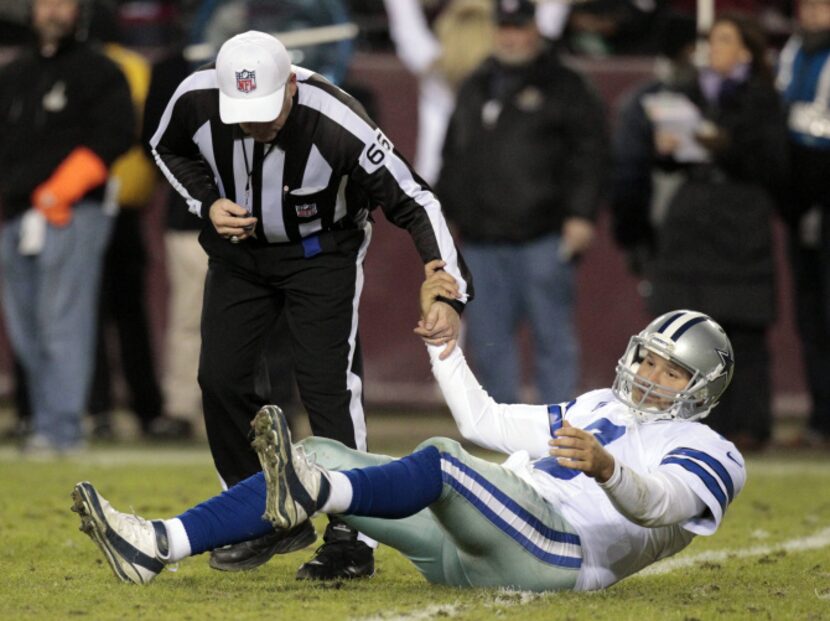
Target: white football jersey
[613,547]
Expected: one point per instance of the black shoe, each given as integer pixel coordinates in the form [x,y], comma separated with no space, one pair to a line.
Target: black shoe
[168,428]
[342,556]
[250,554]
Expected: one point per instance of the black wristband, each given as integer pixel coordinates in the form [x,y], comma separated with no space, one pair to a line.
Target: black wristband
[456,304]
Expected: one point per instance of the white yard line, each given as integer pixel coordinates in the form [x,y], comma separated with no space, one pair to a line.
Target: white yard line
[430,612]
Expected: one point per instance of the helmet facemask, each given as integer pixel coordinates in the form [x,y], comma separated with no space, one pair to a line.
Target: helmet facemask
[688,403]
[689,340]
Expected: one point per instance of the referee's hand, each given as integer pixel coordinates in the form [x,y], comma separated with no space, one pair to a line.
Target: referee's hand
[231,220]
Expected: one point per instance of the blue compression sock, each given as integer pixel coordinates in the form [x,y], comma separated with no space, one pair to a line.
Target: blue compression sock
[234,515]
[398,489]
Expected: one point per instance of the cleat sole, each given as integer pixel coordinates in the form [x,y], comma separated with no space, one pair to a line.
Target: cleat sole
[272,442]
[91,525]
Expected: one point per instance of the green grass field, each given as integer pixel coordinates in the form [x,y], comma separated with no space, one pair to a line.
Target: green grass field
[770,560]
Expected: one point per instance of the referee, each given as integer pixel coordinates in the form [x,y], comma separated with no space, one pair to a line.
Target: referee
[286,166]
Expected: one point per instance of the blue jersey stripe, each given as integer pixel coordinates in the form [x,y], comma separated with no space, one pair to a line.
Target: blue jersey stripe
[508,502]
[498,521]
[554,418]
[542,555]
[708,480]
[713,463]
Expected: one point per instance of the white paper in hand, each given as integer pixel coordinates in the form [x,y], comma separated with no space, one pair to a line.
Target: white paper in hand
[676,114]
[32,233]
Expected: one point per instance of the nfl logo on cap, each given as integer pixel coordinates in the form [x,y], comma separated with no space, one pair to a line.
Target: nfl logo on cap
[246,81]
[252,72]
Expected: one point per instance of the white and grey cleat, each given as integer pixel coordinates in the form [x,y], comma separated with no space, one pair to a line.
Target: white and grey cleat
[296,487]
[136,549]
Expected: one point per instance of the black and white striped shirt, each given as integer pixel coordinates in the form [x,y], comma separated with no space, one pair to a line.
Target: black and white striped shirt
[328,166]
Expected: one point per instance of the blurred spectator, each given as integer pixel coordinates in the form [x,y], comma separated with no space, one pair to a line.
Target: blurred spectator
[14,33]
[640,189]
[441,58]
[73,104]
[185,259]
[186,265]
[524,163]
[22,425]
[442,48]
[123,291]
[724,132]
[804,80]
[602,27]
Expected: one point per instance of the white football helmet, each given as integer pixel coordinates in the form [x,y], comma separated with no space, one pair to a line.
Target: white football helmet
[691,340]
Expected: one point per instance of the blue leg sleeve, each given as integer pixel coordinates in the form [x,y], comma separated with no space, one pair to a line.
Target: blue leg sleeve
[233,516]
[398,489]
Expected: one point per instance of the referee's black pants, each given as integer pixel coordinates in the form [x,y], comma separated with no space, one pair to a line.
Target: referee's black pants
[246,290]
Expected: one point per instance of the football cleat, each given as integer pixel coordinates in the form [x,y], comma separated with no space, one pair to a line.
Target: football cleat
[341,557]
[136,549]
[296,487]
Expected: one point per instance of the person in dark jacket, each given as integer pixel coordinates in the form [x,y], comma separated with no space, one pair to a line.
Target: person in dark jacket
[639,189]
[65,116]
[714,243]
[524,163]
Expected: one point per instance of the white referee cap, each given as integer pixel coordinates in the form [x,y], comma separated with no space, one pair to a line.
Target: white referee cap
[252,69]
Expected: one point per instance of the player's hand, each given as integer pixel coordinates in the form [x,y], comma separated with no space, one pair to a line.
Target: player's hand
[231,220]
[438,283]
[440,326]
[580,450]
[439,323]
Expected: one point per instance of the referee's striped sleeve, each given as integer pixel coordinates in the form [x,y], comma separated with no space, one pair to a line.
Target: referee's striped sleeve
[176,153]
[390,183]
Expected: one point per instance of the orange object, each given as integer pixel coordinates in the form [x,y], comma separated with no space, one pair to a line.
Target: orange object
[81,171]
